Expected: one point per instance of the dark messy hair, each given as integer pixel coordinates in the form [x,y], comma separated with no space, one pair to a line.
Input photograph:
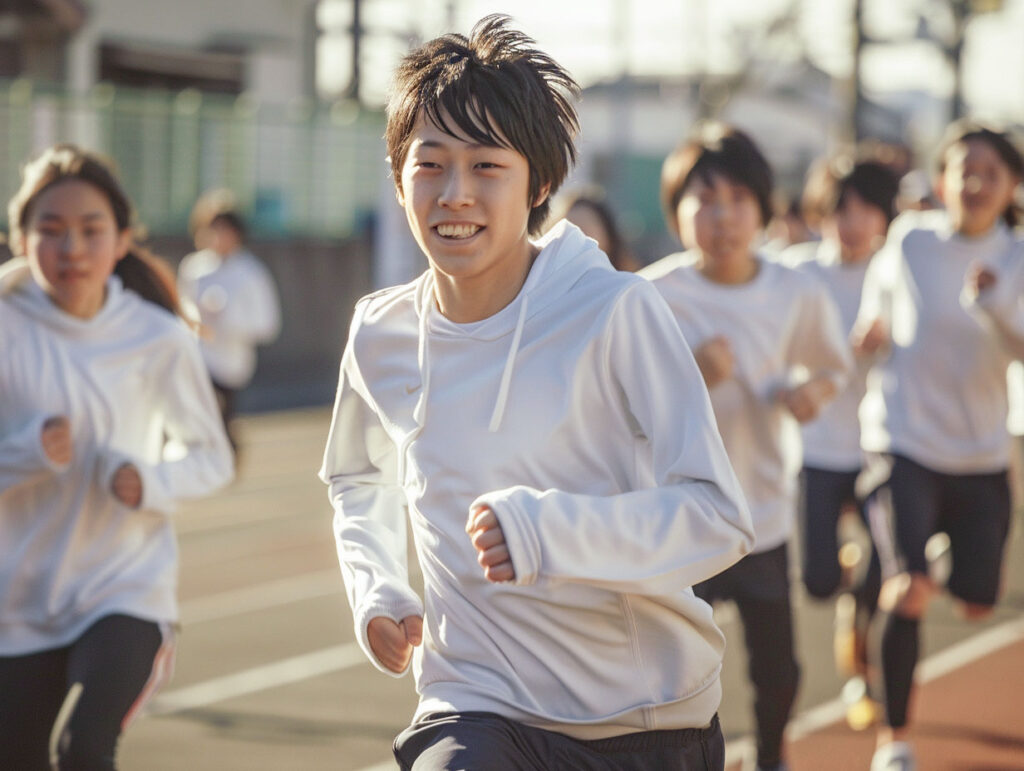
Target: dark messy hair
[831,179]
[141,271]
[715,148]
[497,89]
[967,130]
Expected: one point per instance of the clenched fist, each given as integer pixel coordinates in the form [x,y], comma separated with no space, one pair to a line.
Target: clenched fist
[866,339]
[715,360]
[126,485]
[979,279]
[392,643]
[56,440]
[488,539]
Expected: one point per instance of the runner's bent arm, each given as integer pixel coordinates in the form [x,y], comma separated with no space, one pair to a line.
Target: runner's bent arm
[693,524]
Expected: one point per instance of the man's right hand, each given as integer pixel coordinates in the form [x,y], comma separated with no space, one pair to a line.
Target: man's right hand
[56,440]
[392,643]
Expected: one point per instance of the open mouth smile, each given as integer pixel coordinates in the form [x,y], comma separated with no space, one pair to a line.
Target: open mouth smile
[457,232]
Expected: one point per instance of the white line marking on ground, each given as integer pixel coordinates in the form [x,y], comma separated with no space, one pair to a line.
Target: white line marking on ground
[261,596]
[284,672]
[942,663]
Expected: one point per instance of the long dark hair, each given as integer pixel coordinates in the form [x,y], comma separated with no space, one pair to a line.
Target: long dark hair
[140,271]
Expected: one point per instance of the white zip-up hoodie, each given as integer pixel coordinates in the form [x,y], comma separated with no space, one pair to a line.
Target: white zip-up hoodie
[578,414]
[126,379]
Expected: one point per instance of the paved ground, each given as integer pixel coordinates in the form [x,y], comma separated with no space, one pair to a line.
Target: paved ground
[268,675]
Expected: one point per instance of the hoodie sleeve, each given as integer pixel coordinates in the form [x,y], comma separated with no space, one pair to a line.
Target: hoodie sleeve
[198,459]
[818,342]
[692,524]
[361,472]
[22,458]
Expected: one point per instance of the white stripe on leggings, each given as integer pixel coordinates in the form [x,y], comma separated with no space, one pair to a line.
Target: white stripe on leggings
[163,668]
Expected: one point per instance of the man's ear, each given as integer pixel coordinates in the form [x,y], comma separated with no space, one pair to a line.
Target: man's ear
[399,195]
[542,195]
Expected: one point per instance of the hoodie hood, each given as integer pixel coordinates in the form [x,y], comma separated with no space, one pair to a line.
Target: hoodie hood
[13,274]
[21,290]
[566,254]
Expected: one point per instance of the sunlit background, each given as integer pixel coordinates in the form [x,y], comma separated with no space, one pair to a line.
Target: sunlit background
[909,46]
[281,101]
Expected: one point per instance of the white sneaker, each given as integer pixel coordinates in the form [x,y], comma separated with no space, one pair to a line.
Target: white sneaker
[895,756]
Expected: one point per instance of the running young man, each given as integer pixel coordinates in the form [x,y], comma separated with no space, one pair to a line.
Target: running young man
[542,421]
[769,343]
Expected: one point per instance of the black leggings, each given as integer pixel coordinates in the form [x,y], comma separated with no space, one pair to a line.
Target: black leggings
[759,585]
[823,494]
[113,661]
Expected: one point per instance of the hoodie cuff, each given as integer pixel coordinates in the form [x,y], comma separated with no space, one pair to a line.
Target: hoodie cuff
[520,534]
[396,611]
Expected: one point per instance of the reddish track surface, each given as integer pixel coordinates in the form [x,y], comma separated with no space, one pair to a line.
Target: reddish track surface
[969,719]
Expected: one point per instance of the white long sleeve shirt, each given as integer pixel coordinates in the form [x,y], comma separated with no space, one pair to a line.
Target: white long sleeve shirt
[128,379]
[779,324]
[940,397]
[237,303]
[832,440]
[578,415]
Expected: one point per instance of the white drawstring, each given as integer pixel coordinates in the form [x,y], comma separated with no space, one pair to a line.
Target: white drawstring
[506,376]
[426,300]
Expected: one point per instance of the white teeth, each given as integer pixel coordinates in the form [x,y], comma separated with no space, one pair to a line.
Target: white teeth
[457,231]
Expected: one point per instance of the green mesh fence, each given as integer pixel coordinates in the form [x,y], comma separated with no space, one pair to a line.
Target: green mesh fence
[309,169]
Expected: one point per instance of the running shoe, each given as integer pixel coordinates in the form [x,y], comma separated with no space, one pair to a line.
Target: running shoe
[895,756]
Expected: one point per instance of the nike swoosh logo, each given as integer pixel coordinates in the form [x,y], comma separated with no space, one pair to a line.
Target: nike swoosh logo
[412,389]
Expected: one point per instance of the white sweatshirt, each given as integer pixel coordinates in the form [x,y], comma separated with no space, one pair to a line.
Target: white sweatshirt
[832,440]
[578,415]
[782,327]
[125,379]
[940,396]
[237,303]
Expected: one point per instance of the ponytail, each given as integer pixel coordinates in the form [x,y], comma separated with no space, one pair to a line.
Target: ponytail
[150,277]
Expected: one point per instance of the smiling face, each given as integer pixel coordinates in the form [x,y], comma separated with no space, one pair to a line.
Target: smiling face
[720,218]
[976,186]
[72,243]
[468,206]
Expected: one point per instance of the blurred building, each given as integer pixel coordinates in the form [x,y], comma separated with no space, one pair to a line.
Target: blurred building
[259,46]
[188,95]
